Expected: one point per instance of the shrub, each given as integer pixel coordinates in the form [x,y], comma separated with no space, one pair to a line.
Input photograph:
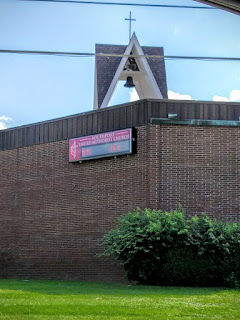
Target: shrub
[165,248]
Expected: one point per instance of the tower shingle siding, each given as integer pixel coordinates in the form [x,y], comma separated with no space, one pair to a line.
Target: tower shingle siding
[106,68]
[158,67]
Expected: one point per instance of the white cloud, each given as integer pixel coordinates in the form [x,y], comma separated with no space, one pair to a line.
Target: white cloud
[2,125]
[3,120]
[134,95]
[234,97]
[219,98]
[178,96]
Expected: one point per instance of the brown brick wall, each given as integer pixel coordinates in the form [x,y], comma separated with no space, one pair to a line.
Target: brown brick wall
[200,169]
[54,213]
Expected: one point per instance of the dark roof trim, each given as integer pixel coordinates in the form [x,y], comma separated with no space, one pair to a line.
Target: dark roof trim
[228,5]
[129,115]
[186,102]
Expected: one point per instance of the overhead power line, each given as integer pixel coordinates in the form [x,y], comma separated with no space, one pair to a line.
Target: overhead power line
[110,55]
[124,4]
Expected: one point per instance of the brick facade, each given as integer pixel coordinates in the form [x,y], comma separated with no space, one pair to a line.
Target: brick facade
[54,213]
[200,168]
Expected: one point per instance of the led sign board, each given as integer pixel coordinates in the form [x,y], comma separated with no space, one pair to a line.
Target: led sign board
[108,144]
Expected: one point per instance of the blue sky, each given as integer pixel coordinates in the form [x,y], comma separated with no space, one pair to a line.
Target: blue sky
[34,88]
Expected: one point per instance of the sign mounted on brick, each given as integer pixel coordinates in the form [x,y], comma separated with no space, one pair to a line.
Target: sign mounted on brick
[108,144]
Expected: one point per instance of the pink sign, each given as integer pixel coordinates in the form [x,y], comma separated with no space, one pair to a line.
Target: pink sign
[100,145]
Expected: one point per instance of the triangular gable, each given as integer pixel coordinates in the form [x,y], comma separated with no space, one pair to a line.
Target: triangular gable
[144,80]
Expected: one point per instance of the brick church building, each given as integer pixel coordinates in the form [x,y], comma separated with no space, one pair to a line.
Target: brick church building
[64,182]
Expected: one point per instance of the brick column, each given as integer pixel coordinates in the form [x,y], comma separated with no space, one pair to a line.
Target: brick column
[153,166]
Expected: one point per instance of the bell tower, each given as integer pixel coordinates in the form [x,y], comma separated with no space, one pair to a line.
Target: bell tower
[129,63]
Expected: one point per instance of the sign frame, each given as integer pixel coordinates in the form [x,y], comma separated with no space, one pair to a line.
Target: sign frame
[90,142]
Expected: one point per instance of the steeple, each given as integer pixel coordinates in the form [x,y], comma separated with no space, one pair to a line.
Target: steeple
[148,74]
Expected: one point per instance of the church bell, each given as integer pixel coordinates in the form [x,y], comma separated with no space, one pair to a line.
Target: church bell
[129,83]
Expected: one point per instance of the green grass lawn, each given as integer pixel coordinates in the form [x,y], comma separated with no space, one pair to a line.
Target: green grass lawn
[47,300]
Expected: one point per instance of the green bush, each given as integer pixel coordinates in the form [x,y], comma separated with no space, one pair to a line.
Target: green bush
[165,248]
